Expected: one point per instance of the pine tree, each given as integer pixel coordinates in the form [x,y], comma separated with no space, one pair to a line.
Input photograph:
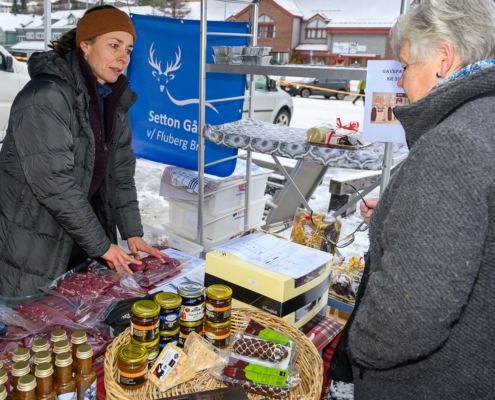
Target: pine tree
[75,6]
[175,8]
[16,8]
[23,6]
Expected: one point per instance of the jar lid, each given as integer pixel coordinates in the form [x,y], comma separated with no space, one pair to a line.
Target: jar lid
[145,309]
[190,289]
[3,376]
[63,360]
[170,333]
[168,300]
[219,292]
[59,334]
[79,337]
[133,354]
[26,383]
[20,368]
[3,392]
[62,346]
[43,370]
[218,325]
[42,357]
[21,354]
[146,344]
[40,345]
[189,324]
[84,352]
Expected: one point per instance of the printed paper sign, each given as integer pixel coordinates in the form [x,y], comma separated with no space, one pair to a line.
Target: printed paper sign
[382,96]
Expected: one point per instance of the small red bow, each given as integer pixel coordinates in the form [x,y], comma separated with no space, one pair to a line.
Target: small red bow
[351,126]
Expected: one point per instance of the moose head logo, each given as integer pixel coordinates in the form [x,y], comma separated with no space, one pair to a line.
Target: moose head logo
[165,77]
[170,67]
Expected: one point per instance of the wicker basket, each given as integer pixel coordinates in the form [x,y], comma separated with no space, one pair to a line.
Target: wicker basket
[309,362]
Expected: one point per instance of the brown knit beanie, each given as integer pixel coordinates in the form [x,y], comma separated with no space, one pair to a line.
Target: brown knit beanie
[97,23]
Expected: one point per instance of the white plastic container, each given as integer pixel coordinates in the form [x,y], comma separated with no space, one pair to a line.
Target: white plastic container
[235,195]
[183,218]
[175,241]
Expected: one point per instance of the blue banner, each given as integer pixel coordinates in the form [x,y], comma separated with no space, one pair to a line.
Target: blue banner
[164,72]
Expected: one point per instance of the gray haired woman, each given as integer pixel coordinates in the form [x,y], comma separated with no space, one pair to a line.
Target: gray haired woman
[425,326]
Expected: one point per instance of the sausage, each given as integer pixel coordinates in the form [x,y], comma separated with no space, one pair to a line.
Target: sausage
[373,114]
[255,387]
[261,349]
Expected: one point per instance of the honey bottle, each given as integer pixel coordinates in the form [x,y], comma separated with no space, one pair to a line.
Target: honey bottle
[78,339]
[85,375]
[26,387]
[21,354]
[44,380]
[62,346]
[58,335]
[4,380]
[40,345]
[65,384]
[3,392]
[19,369]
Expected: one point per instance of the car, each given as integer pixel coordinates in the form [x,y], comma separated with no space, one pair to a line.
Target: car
[13,76]
[341,85]
[270,103]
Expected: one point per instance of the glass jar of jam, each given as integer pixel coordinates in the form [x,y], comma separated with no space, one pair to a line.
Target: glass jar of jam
[167,337]
[40,345]
[153,349]
[4,380]
[78,338]
[218,303]
[132,366]
[187,327]
[193,301]
[26,387]
[58,335]
[169,310]
[218,333]
[144,320]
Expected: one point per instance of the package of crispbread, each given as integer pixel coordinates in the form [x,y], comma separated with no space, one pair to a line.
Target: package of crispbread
[172,367]
[202,353]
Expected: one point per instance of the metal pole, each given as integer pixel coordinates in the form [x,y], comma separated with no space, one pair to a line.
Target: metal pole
[387,155]
[47,5]
[252,88]
[201,140]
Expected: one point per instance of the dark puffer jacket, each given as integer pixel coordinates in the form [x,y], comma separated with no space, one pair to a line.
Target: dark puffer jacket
[46,167]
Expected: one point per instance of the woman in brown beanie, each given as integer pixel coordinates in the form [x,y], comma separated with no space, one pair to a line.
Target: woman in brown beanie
[67,166]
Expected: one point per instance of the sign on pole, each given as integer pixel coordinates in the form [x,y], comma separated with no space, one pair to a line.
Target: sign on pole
[382,96]
[164,73]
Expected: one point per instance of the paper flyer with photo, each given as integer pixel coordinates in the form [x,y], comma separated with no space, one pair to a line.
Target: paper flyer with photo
[382,95]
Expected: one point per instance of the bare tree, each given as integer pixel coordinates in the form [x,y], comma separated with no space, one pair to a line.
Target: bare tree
[175,8]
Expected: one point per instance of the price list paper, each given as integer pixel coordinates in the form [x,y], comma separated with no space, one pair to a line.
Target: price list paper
[276,255]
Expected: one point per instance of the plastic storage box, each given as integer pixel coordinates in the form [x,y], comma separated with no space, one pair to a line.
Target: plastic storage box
[184,218]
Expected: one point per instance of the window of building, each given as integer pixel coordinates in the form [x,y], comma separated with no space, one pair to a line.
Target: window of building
[21,38]
[72,21]
[266,27]
[57,35]
[29,35]
[40,35]
[316,29]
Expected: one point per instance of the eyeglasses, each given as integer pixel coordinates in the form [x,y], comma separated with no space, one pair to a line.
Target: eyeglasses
[349,239]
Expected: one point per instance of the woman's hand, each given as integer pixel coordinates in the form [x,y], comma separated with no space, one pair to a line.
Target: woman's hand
[367,211]
[116,257]
[138,244]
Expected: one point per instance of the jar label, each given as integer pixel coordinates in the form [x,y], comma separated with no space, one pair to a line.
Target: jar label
[67,396]
[192,313]
[131,378]
[144,333]
[152,358]
[218,340]
[169,322]
[217,313]
[90,393]
[174,342]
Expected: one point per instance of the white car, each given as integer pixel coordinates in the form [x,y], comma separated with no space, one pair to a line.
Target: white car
[13,76]
[270,103]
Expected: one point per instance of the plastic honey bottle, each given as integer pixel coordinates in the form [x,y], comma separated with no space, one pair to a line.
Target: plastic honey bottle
[85,375]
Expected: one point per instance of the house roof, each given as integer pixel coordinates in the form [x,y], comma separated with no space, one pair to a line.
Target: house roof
[216,10]
[290,6]
[38,45]
[9,22]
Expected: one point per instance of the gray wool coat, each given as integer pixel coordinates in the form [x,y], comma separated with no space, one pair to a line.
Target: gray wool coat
[46,167]
[426,325]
